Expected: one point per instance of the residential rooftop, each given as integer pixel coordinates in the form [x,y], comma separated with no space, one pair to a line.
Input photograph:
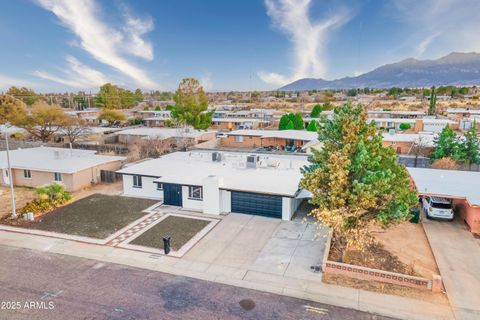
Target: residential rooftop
[54,159]
[426,138]
[281,134]
[163,133]
[447,183]
[275,174]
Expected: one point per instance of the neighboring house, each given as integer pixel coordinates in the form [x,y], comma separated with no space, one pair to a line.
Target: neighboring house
[404,143]
[220,182]
[154,118]
[228,124]
[460,186]
[289,140]
[396,114]
[88,115]
[417,125]
[73,168]
[461,113]
[190,136]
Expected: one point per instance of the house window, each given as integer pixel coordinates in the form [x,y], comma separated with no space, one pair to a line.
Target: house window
[238,138]
[159,186]
[137,181]
[195,192]
[57,176]
[27,174]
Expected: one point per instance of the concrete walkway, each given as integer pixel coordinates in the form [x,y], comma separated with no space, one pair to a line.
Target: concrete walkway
[251,252]
[457,254]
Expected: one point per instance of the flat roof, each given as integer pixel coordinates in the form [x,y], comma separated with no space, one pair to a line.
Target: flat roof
[275,174]
[427,139]
[163,133]
[54,159]
[447,183]
[463,110]
[401,112]
[239,120]
[282,134]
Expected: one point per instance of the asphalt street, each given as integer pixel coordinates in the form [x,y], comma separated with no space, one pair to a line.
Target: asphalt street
[38,285]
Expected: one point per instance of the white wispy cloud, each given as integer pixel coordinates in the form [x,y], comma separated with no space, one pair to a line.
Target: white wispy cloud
[105,43]
[7,82]
[77,75]
[441,26]
[206,81]
[308,38]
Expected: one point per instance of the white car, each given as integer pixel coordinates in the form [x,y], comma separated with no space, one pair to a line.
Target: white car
[438,208]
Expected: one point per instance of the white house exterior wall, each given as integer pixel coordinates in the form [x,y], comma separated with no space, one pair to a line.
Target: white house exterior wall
[289,206]
[148,189]
[187,203]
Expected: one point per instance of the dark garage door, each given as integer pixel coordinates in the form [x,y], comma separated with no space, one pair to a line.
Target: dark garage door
[257,204]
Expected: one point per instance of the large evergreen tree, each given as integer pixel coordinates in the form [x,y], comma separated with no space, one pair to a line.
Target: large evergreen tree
[315,113]
[354,180]
[446,145]
[469,147]
[191,104]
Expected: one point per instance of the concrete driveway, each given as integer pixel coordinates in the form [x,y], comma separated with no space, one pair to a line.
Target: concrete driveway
[457,253]
[252,246]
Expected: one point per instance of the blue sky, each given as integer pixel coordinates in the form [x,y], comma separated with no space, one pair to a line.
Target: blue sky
[53,45]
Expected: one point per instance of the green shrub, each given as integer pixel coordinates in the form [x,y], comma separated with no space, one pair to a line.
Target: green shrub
[49,198]
[157,108]
[404,126]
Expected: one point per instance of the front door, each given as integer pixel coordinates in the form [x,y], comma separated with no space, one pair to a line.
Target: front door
[172,194]
[6,179]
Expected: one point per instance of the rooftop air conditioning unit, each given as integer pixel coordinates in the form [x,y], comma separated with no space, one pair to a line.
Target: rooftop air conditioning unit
[217,157]
[252,161]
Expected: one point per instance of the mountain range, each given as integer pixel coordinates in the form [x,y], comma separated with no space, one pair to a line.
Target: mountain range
[454,69]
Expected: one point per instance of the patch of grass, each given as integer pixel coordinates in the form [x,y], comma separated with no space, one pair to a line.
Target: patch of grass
[180,229]
[96,216]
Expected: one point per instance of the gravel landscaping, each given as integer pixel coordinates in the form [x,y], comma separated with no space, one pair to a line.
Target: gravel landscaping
[96,216]
[180,229]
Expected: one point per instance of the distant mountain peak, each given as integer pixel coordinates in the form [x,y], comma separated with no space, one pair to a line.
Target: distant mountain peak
[456,68]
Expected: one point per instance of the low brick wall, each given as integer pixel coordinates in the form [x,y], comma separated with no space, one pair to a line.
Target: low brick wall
[363,273]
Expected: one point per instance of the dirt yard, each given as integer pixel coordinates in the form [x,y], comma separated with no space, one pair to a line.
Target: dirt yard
[22,196]
[409,243]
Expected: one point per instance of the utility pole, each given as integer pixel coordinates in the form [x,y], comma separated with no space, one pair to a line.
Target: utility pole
[10,178]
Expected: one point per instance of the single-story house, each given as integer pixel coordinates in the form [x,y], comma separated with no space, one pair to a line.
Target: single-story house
[155,118]
[460,186]
[398,114]
[220,182]
[403,143]
[417,125]
[282,139]
[228,124]
[190,135]
[73,168]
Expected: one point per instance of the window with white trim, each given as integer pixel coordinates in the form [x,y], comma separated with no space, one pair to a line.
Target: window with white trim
[238,138]
[137,181]
[57,176]
[27,174]
[195,192]
[159,186]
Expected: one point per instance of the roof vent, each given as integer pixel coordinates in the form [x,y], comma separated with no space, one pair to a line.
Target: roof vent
[217,156]
[252,161]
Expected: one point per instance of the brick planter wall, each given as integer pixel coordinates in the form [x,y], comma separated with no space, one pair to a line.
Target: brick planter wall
[363,273]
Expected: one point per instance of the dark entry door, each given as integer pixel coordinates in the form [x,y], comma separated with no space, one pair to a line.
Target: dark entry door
[257,204]
[172,194]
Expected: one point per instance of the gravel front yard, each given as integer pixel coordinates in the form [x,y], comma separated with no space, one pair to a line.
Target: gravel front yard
[96,216]
[180,229]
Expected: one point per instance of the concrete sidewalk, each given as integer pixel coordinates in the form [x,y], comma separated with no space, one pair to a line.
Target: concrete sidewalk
[457,253]
[215,268]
